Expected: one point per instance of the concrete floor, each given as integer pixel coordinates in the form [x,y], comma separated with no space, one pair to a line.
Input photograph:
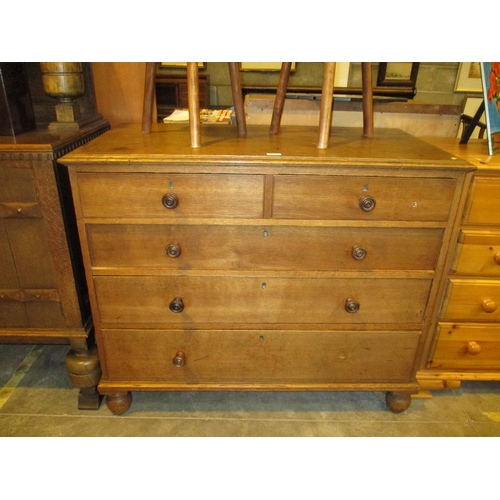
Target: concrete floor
[37,399]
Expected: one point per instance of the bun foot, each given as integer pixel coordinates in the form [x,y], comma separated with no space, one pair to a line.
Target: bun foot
[119,403]
[398,401]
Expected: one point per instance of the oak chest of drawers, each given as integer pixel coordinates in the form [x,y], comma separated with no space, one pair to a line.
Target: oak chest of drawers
[467,337]
[263,263]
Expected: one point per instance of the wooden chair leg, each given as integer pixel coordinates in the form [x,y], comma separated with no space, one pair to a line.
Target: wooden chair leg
[366,72]
[239,108]
[194,104]
[149,94]
[325,115]
[279,101]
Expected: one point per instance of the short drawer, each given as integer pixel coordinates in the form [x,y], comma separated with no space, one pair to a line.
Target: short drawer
[371,198]
[18,196]
[473,300]
[259,356]
[17,185]
[485,192]
[147,301]
[263,247]
[478,252]
[170,196]
[467,347]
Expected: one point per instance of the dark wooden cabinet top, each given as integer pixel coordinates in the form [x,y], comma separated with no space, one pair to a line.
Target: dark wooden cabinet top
[42,141]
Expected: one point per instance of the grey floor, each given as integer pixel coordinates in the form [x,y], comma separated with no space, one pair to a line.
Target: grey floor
[37,399]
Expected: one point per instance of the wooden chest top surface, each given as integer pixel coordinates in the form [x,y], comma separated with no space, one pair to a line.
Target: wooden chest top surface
[297,145]
[474,152]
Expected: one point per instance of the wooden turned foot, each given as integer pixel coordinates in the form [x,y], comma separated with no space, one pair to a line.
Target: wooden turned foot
[89,399]
[84,370]
[398,401]
[119,403]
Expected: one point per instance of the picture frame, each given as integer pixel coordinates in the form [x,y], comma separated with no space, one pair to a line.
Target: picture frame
[469,77]
[470,107]
[201,65]
[342,70]
[397,74]
[264,66]
[490,75]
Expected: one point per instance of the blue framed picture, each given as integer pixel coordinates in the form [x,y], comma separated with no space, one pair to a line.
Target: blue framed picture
[490,73]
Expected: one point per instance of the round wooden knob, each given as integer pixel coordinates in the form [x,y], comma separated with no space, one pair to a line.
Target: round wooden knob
[473,347]
[179,359]
[488,305]
[177,305]
[170,201]
[351,305]
[496,258]
[173,250]
[358,253]
[367,203]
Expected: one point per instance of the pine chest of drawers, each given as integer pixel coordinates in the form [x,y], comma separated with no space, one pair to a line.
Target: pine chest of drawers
[263,263]
[467,336]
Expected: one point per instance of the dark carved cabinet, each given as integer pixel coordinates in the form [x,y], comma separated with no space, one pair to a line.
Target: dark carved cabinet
[43,296]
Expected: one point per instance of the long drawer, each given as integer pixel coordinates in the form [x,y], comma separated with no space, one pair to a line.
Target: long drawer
[472,300]
[478,252]
[259,356]
[171,196]
[370,198]
[263,247]
[467,347]
[172,301]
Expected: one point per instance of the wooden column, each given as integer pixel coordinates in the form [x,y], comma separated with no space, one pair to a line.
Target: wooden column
[279,102]
[194,104]
[149,94]
[325,115]
[234,74]
[366,72]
